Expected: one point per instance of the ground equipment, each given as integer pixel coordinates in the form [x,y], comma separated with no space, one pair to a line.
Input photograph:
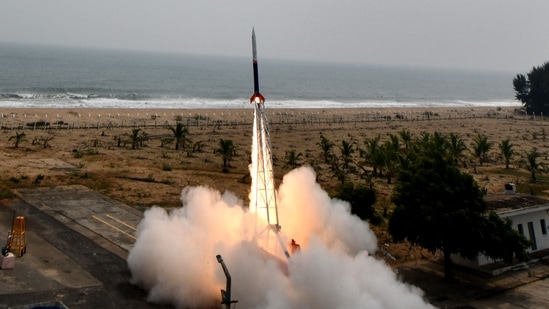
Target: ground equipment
[17,240]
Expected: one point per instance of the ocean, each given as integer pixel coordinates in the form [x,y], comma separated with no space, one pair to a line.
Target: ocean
[40,76]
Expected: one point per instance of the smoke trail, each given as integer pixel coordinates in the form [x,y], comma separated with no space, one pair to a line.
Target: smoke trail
[174,255]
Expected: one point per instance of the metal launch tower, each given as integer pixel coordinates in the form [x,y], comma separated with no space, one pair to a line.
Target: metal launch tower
[263,194]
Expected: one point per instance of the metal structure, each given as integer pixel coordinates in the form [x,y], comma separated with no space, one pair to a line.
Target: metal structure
[226,294]
[263,197]
[17,239]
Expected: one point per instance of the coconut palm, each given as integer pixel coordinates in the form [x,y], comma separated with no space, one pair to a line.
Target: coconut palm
[180,132]
[18,138]
[391,153]
[45,140]
[326,148]
[346,153]
[226,151]
[137,137]
[373,155]
[291,159]
[439,142]
[424,141]
[532,164]
[456,148]
[144,137]
[337,169]
[406,137]
[507,151]
[481,146]
[197,146]
[340,165]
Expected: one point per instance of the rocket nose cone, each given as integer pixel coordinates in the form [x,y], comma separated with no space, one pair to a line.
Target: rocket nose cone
[254,49]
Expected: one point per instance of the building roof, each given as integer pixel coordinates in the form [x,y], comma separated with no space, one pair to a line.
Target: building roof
[515,203]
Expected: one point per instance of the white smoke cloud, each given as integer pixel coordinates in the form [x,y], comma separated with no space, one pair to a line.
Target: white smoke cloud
[174,257]
[306,211]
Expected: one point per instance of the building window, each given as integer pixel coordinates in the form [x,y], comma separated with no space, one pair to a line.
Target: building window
[520,229]
[532,235]
[543,226]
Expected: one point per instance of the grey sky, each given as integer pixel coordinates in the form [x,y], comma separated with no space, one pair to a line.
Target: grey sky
[506,35]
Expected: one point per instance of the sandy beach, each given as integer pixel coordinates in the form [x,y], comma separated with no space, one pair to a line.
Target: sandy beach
[92,146]
[94,134]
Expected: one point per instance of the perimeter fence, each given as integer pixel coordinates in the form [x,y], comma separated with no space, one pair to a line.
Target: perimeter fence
[78,121]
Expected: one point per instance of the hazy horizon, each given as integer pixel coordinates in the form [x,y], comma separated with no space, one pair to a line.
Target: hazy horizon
[501,35]
[122,50]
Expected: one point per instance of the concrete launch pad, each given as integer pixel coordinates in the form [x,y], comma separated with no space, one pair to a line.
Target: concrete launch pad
[78,240]
[112,220]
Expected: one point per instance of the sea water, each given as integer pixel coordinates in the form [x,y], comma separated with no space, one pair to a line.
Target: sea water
[40,76]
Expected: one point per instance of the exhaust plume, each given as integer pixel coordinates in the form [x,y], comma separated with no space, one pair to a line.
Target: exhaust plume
[174,256]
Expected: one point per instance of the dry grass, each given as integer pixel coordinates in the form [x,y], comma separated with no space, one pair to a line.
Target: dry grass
[154,175]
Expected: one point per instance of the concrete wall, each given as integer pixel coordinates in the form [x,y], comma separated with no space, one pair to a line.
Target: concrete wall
[542,240]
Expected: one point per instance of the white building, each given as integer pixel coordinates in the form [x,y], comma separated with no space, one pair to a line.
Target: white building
[529,216]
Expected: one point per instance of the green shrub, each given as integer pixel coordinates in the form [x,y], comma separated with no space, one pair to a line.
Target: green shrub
[362,200]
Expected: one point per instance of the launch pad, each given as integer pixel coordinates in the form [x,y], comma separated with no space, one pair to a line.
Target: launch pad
[71,258]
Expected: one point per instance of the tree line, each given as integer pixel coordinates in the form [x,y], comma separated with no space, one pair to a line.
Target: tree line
[437,206]
[532,89]
[385,159]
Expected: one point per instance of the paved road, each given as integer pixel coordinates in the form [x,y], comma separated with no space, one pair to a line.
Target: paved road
[531,296]
[525,288]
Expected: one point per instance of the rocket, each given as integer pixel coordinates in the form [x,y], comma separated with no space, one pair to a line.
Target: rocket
[256,97]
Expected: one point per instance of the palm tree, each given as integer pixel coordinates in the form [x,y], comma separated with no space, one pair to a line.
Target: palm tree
[481,146]
[326,148]
[45,140]
[18,138]
[533,165]
[406,137]
[166,140]
[391,154]
[507,151]
[337,168]
[291,159]
[456,148]
[197,146]
[346,150]
[137,138]
[144,137]
[180,133]
[226,150]
[372,154]
[438,142]
[424,140]
[339,165]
